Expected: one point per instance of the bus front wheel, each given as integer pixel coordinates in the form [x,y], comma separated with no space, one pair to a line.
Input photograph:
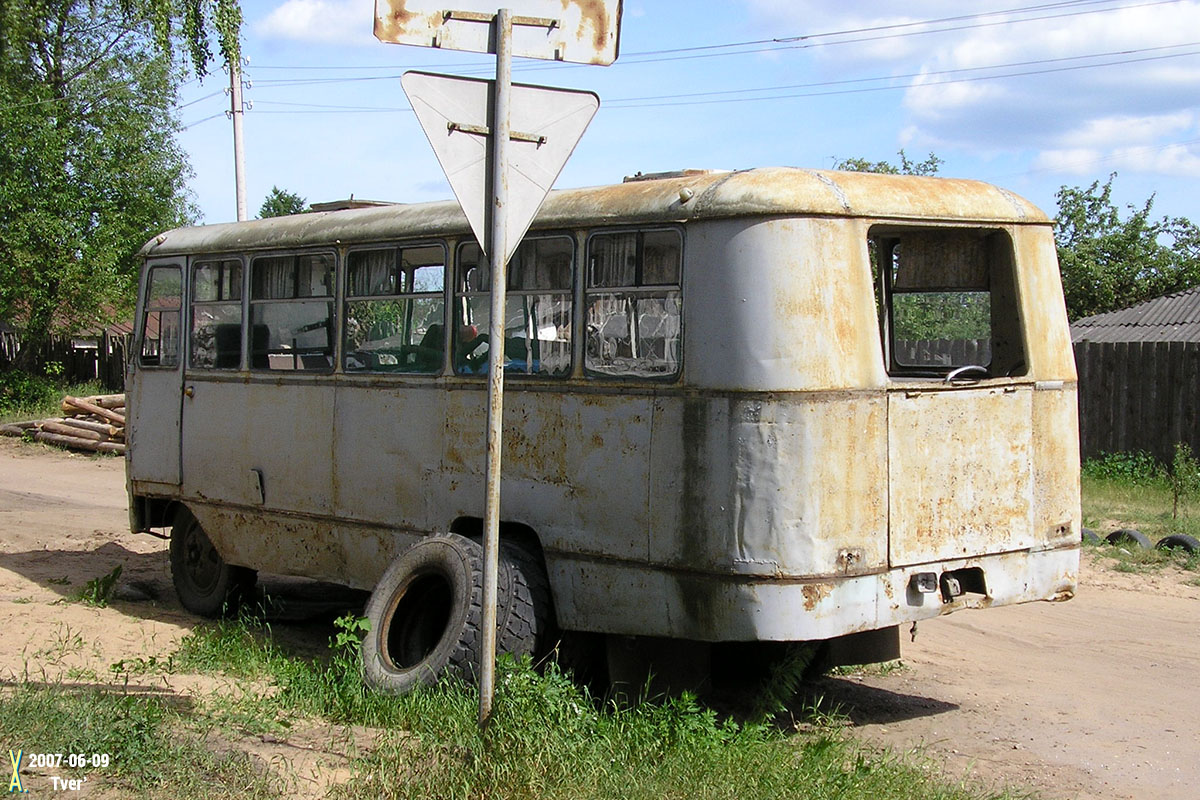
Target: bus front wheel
[426,613]
[206,585]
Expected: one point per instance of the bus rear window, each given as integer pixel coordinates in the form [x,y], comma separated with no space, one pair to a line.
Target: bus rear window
[948,300]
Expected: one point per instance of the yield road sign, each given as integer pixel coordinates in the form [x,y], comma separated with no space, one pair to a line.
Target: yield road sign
[546,125]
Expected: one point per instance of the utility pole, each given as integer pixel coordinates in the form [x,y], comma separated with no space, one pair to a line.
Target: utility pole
[239,156]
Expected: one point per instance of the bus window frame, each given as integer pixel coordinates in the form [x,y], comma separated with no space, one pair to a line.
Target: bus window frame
[243,305]
[587,290]
[345,299]
[180,266]
[332,299]
[457,298]
[893,234]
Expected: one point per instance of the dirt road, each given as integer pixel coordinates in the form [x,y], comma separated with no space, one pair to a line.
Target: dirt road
[1094,698]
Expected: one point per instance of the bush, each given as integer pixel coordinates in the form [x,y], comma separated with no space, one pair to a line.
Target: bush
[1137,468]
[20,390]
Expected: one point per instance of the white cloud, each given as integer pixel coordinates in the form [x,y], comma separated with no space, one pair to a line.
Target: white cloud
[327,21]
[1072,114]
[1103,131]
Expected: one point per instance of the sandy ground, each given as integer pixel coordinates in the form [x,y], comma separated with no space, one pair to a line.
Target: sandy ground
[1093,698]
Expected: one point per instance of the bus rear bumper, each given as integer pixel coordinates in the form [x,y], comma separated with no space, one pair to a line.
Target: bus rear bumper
[641,600]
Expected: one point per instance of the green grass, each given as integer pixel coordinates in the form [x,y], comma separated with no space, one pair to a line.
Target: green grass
[548,737]
[1131,491]
[154,749]
[1143,505]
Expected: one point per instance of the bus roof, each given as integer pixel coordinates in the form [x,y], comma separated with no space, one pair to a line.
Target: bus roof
[672,197]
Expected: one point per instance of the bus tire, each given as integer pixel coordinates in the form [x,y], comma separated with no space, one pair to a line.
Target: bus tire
[1180,541]
[205,583]
[1128,536]
[525,623]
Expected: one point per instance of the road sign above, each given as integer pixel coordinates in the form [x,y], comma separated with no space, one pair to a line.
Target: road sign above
[579,31]
[546,125]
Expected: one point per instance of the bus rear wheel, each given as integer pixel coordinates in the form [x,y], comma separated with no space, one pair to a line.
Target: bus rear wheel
[205,583]
[426,613]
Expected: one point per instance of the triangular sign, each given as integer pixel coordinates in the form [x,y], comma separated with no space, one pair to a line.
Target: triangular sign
[546,124]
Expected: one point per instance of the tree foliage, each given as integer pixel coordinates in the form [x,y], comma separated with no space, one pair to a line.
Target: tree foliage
[929,166]
[281,203]
[1109,262]
[90,165]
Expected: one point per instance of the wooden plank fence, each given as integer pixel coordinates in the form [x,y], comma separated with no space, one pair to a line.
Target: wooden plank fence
[101,358]
[1138,396]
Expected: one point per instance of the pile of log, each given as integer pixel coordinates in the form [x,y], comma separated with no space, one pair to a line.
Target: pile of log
[95,424]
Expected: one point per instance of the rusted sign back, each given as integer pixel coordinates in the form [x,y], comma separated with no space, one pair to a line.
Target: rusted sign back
[579,31]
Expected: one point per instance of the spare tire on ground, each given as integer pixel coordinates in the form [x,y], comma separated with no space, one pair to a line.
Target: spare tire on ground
[1128,536]
[426,613]
[1180,541]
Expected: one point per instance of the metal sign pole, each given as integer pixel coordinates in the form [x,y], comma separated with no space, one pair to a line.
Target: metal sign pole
[497,251]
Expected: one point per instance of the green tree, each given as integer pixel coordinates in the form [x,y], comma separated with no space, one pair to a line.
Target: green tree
[281,203]
[929,166]
[90,165]
[1109,262]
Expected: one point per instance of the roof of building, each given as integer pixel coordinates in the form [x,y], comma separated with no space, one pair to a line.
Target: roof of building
[1171,318]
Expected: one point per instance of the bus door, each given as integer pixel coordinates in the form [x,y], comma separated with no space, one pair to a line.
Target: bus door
[960,474]
[156,373]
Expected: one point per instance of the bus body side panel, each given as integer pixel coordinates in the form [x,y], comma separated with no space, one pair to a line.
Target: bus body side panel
[791,485]
[265,442]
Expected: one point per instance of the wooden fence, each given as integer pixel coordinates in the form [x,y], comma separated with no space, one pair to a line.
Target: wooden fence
[1138,396]
[101,358]
[942,351]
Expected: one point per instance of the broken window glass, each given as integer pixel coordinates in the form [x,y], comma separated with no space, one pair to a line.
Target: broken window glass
[634,304]
[537,322]
[949,301]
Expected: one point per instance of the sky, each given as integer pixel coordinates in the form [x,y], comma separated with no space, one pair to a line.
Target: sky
[1026,94]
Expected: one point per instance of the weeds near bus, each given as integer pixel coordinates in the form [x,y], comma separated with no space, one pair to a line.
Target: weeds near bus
[548,737]
[99,591]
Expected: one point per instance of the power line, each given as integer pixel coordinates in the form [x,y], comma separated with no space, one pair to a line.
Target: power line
[680,99]
[643,103]
[792,42]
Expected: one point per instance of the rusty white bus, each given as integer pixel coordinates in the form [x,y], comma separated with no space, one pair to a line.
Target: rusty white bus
[770,405]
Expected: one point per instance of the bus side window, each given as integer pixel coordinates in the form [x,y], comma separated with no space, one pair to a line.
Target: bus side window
[634,304]
[216,338]
[537,323]
[160,320]
[395,312]
[291,312]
